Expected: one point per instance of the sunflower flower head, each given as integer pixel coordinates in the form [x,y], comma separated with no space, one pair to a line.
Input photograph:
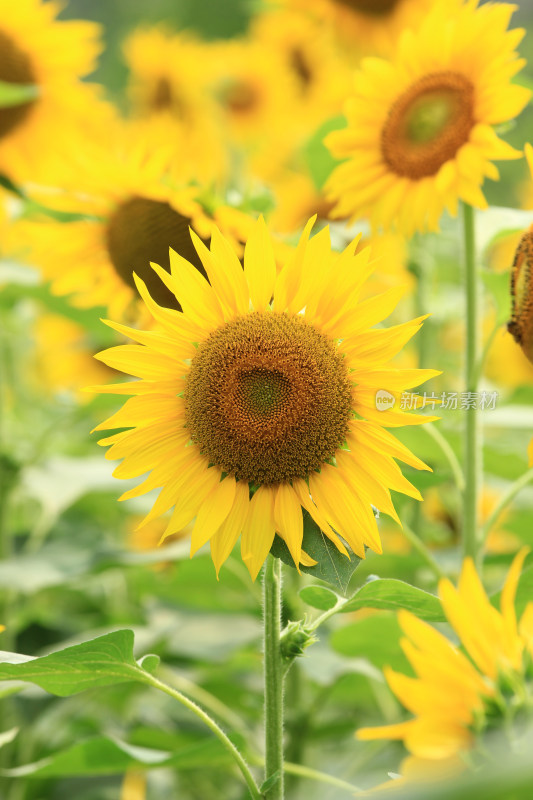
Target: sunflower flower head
[420,132]
[257,400]
[49,56]
[460,695]
[127,207]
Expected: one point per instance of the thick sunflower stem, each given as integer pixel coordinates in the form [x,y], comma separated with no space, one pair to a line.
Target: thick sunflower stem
[273,680]
[473,453]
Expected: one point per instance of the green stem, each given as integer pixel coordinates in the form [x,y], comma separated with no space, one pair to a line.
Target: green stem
[507,498]
[486,350]
[423,550]
[212,725]
[473,447]
[448,452]
[273,677]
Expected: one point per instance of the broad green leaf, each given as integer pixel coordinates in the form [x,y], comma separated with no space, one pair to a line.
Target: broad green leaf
[103,755]
[16,94]
[319,160]
[100,662]
[332,566]
[319,597]
[376,638]
[392,595]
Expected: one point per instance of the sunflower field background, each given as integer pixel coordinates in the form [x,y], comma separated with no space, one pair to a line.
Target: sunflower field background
[130,670]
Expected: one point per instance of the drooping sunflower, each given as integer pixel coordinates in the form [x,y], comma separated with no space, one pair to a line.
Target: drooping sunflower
[455,695]
[38,50]
[261,398]
[131,211]
[420,130]
[168,82]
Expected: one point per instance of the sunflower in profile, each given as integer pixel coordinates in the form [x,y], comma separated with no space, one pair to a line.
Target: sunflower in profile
[37,50]
[168,81]
[365,26]
[261,398]
[458,695]
[129,211]
[420,130]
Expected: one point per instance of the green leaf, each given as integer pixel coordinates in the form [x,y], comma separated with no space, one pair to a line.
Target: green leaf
[16,94]
[376,638]
[102,755]
[332,566]
[319,160]
[8,184]
[392,595]
[319,597]
[103,661]
[267,785]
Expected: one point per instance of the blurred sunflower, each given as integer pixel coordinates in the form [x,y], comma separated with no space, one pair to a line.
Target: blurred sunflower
[265,383]
[256,95]
[457,696]
[366,26]
[420,130]
[63,358]
[130,212]
[323,76]
[38,50]
[169,82]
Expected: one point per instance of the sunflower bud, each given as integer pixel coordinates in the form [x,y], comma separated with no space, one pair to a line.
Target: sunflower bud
[521,323]
[295,638]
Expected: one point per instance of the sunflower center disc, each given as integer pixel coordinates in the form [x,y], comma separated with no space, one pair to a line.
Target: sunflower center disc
[240,97]
[376,8]
[15,67]
[428,124]
[268,398]
[142,230]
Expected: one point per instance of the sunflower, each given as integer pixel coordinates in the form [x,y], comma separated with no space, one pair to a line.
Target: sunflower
[419,134]
[258,400]
[38,50]
[455,695]
[322,75]
[169,82]
[255,91]
[131,211]
[63,358]
[364,26]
